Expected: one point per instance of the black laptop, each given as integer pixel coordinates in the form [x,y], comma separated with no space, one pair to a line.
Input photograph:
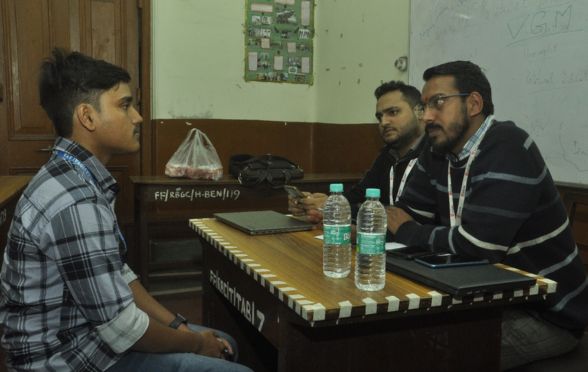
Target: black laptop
[460,280]
[263,222]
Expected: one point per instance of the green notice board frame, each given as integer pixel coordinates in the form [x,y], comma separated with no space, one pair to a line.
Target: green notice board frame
[279,41]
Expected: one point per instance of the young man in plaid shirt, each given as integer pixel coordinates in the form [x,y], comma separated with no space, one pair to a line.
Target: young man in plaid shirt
[69,301]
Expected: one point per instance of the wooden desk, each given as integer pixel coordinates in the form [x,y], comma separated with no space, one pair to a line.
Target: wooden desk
[164,204]
[269,292]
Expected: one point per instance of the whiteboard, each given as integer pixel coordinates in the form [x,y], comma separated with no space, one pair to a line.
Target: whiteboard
[535,54]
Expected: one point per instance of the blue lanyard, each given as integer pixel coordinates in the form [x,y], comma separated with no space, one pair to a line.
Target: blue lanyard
[88,176]
[78,164]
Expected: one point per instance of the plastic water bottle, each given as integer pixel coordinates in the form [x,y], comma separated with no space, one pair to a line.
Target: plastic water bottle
[370,262]
[337,234]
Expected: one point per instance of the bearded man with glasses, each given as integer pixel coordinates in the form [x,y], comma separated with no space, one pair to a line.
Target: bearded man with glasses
[484,190]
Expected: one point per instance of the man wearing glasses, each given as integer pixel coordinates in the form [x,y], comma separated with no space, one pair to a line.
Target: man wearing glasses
[397,111]
[484,191]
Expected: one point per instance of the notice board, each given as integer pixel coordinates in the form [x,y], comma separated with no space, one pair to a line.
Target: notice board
[279,41]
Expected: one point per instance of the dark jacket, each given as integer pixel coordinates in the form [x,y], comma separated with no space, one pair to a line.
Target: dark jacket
[378,176]
[512,213]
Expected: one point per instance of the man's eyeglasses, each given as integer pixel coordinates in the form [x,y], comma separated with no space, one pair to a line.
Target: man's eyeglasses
[437,102]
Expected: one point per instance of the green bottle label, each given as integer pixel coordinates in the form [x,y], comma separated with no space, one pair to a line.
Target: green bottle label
[371,243]
[337,234]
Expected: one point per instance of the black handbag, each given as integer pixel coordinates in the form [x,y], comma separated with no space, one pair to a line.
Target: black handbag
[256,170]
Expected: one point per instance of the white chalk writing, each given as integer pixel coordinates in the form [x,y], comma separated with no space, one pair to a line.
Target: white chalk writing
[196,193]
[243,305]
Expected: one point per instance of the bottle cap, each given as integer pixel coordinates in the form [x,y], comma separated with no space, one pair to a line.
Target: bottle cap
[372,193]
[336,187]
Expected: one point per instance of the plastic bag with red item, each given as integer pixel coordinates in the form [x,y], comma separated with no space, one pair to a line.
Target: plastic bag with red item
[195,158]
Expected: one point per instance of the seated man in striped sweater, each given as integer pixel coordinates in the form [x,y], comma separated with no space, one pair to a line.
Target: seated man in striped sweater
[484,191]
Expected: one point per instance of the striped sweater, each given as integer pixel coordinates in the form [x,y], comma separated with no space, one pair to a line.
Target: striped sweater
[512,213]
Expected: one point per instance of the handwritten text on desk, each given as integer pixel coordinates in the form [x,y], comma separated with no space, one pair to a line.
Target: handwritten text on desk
[246,307]
[196,193]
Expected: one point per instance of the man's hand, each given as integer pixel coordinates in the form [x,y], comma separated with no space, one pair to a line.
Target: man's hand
[213,346]
[295,205]
[396,217]
[310,206]
[313,206]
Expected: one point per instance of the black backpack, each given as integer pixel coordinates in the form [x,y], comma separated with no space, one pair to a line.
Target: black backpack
[271,169]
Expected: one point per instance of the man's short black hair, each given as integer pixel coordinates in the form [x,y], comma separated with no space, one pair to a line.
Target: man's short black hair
[69,78]
[410,93]
[468,78]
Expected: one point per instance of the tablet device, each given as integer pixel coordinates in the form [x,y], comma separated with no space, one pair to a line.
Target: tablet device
[410,252]
[449,260]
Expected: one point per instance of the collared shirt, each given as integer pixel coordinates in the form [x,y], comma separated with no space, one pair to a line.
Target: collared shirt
[395,189]
[410,154]
[465,152]
[66,302]
[378,176]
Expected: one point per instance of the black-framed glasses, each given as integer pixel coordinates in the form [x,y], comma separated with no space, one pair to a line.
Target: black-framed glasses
[437,102]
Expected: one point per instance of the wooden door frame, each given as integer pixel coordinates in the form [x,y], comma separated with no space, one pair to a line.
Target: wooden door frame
[147,139]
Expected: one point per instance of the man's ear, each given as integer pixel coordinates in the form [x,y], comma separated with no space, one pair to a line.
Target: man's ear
[475,104]
[85,115]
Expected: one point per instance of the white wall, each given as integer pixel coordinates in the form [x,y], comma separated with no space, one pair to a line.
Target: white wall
[198,62]
[357,42]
